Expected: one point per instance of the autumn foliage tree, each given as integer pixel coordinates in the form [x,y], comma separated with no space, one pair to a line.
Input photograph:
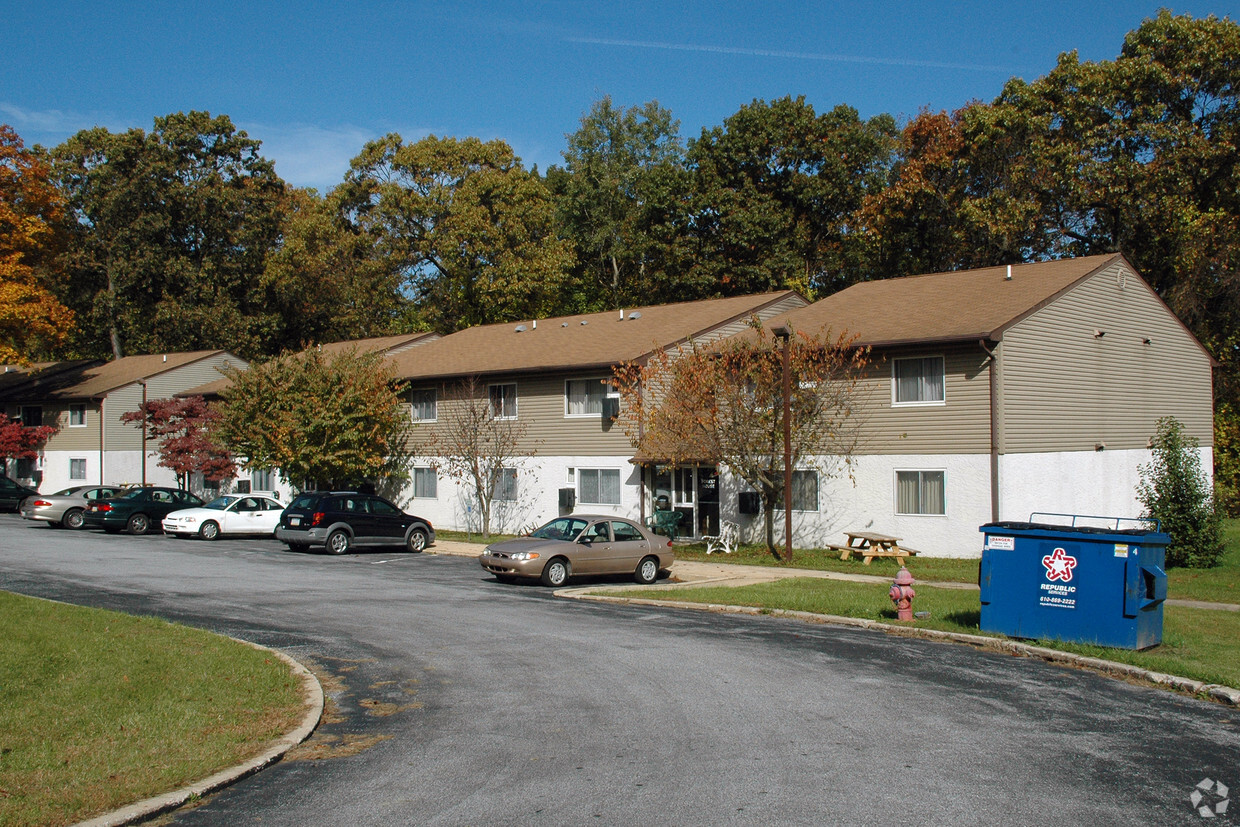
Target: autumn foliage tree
[317,419]
[21,441]
[32,321]
[723,403]
[185,430]
[476,444]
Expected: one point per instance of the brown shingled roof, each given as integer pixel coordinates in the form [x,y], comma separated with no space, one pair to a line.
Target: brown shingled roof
[90,379]
[575,342]
[962,305]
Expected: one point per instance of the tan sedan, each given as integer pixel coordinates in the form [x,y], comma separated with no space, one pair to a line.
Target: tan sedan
[580,544]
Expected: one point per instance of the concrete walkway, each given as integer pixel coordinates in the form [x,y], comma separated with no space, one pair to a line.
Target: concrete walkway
[697,573]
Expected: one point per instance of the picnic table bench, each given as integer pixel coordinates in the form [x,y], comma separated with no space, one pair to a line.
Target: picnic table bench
[869,545]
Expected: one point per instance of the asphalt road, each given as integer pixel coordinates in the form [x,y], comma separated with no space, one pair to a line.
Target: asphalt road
[462,701]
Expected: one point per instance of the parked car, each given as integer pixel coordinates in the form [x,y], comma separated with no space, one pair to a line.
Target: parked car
[340,520]
[228,514]
[138,510]
[580,544]
[66,507]
[12,493]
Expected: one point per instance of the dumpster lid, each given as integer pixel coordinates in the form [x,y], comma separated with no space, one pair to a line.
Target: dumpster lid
[1144,527]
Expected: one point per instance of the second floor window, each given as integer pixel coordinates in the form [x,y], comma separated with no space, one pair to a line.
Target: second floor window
[423,405]
[918,381]
[585,397]
[503,401]
[77,415]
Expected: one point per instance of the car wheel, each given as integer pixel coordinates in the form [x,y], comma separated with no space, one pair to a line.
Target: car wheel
[337,542]
[73,519]
[210,530]
[556,572]
[416,541]
[647,571]
[138,524]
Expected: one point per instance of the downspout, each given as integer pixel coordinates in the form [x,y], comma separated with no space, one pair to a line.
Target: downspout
[142,382]
[996,423]
[102,446]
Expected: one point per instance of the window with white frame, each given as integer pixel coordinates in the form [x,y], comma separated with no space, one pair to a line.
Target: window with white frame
[599,486]
[921,492]
[423,405]
[506,485]
[425,483]
[585,397]
[77,469]
[262,480]
[77,415]
[918,381]
[503,401]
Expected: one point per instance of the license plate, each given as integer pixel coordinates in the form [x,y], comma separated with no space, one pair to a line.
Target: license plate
[294,520]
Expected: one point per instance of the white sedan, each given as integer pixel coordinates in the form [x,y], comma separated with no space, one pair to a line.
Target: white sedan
[229,514]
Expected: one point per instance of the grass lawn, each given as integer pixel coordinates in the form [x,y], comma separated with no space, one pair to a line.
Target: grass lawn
[1220,584]
[100,709]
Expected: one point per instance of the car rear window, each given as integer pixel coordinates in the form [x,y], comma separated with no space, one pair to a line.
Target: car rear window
[304,502]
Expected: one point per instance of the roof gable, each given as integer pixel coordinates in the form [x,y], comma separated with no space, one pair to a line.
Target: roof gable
[88,379]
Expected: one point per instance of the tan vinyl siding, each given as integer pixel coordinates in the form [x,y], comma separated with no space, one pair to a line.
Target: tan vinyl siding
[122,437]
[73,438]
[549,431]
[1066,389]
[961,425]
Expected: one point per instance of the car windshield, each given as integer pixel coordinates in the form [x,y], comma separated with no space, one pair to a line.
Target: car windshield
[565,528]
[220,503]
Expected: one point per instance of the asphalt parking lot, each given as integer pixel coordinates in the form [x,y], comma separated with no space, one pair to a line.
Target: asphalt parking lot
[460,700]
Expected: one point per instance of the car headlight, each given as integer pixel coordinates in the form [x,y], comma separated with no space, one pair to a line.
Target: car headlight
[188,519]
[525,555]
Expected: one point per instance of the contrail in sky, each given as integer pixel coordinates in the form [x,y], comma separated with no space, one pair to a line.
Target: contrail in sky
[731,50]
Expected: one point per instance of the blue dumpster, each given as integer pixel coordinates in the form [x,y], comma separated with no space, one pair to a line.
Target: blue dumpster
[1102,585]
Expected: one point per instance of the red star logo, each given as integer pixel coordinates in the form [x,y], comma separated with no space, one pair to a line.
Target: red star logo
[1059,565]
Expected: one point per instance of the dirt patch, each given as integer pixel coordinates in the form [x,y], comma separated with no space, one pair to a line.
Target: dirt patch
[334,746]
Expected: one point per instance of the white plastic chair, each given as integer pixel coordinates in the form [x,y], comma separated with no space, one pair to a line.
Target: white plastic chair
[726,540]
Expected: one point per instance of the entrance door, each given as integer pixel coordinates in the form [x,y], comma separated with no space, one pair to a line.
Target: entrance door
[708,500]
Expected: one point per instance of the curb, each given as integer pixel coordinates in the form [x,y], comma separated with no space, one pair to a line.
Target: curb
[1215,692]
[141,810]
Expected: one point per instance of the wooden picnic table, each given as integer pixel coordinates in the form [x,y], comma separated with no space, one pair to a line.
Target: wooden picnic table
[870,545]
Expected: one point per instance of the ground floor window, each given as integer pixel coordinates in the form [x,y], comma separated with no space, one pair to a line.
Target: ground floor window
[77,469]
[261,480]
[804,490]
[921,492]
[425,483]
[506,485]
[600,486]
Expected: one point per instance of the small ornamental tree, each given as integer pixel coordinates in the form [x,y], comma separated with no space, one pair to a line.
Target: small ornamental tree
[320,420]
[21,441]
[185,429]
[476,443]
[1175,490]
[724,403]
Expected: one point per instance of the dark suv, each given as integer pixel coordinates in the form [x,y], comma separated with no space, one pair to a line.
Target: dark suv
[12,493]
[339,520]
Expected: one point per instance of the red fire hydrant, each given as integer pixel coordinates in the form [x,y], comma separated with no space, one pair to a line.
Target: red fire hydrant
[902,594]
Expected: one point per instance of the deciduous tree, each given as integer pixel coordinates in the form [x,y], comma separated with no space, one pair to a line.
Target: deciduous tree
[185,428]
[21,441]
[32,321]
[469,229]
[318,419]
[172,228]
[724,403]
[476,444]
[1175,490]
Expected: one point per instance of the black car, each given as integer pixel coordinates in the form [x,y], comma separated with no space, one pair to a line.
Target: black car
[339,520]
[138,510]
[12,493]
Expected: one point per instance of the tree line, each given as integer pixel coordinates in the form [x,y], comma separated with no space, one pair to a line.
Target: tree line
[184,237]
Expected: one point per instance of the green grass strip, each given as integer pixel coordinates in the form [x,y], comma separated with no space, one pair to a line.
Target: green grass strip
[1201,644]
[99,709]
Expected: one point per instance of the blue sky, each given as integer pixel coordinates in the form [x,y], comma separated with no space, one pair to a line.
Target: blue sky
[315,80]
